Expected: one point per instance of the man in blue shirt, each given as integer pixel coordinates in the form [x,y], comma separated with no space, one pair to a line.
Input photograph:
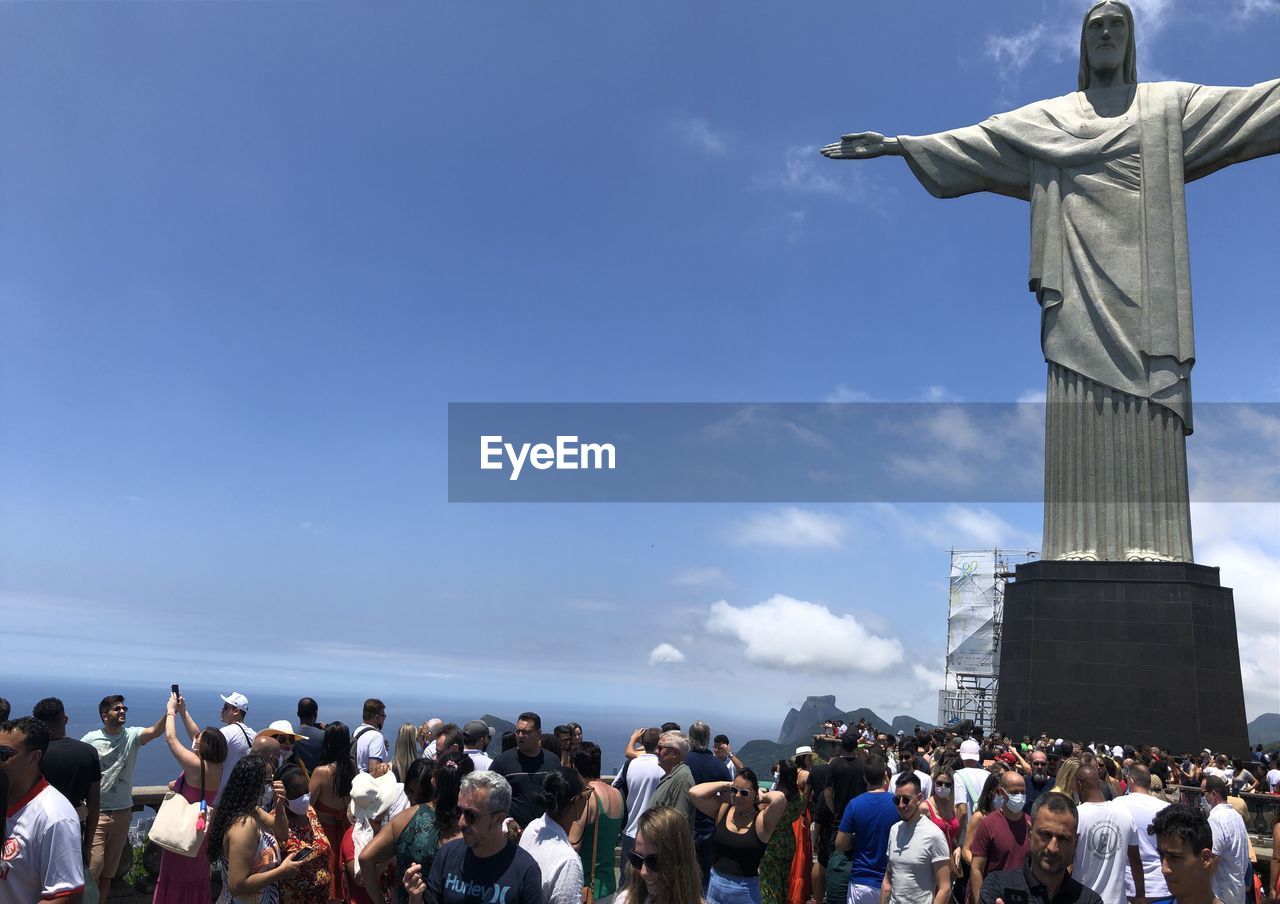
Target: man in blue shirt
[864,834]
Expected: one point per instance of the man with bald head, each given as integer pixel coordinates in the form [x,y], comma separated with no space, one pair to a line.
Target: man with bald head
[1142,808]
[1001,841]
[1108,843]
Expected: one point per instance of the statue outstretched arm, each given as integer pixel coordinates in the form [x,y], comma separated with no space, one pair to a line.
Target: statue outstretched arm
[863,146]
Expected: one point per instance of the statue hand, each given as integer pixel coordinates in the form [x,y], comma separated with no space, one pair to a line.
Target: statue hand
[861,146]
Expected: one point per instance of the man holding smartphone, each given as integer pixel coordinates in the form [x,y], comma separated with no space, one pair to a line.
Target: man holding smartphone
[1043,877]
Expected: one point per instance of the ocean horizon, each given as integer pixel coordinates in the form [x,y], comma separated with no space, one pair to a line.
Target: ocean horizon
[610,727]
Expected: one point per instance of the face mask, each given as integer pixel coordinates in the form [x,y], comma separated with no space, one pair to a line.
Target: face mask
[1015,802]
[1205,806]
[775,778]
[299,804]
[943,793]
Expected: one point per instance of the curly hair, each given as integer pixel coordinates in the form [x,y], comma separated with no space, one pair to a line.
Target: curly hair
[239,799]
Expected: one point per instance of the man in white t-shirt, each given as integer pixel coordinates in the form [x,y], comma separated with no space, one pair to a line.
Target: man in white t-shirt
[1142,809]
[969,782]
[1230,840]
[42,858]
[369,744]
[919,868]
[235,706]
[642,775]
[1273,779]
[1108,844]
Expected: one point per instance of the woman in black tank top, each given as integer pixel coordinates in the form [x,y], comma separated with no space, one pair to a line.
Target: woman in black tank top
[745,819]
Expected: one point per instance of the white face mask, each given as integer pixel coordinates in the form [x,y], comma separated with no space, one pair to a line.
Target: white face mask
[1205,806]
[942,791]
[1015,802]
[299,804]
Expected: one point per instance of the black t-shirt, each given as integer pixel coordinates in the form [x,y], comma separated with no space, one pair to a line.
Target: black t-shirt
[848,780]
[526,775]
[706,767]
[819,775]
[308,751]
[457,876]
[72,767]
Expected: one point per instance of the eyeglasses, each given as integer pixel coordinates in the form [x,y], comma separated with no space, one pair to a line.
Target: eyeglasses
[741,792]
[903,800]
[120,708]
[525,731]
[662,747]
[6,753]
[638,862]
[471,815]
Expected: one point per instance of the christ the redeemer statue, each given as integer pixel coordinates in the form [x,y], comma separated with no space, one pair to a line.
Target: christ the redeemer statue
[1104,170]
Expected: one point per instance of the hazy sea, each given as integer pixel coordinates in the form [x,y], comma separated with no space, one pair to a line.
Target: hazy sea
[608,727]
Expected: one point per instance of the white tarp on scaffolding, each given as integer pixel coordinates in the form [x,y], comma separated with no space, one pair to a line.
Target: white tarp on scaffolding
[972,613]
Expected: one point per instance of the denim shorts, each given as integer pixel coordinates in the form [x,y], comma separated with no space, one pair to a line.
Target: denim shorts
[733,889]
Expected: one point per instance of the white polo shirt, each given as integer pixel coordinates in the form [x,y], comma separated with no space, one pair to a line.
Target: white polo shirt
[1231,844]
[41,859]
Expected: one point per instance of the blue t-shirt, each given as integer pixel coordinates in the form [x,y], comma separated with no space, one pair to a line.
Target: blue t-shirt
[868,818]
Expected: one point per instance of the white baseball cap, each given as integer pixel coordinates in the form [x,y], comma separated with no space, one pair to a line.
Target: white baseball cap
[236,699]
[970,750]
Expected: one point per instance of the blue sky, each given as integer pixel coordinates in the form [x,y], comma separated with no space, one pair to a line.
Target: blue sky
[251,251]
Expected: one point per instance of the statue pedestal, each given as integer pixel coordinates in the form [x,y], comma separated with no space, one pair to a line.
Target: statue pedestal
[1124,653]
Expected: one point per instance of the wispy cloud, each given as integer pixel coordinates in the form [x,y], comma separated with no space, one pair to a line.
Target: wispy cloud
[701,577]
[790,527]
[960,525]
[1248,10]
[665,653]
[695,132]
[842,394]
[787,633]
[802,171]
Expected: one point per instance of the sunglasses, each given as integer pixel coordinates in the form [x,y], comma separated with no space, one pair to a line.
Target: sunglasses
[637,862]
[741,792]
[471,815]
[903,800]
[943,785]
[6,753]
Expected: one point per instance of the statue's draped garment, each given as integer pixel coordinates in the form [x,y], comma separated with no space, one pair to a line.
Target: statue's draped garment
[1110,269]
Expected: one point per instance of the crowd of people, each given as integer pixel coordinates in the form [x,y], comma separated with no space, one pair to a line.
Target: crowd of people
[449,814]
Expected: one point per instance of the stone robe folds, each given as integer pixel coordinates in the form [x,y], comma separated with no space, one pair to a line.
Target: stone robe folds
[1110,269]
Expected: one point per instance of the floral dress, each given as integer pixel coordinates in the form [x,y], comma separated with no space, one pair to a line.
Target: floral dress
[311,883]
[418,843]
[775,866]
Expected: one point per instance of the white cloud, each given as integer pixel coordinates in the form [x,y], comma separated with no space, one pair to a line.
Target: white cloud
[699,135]
[962,526]
[1252,9]
[843,393]
[790,527]
[787,633]
[803,171]
[930,678]
[701,577]
[763,421]
[665,653]
[1012,53]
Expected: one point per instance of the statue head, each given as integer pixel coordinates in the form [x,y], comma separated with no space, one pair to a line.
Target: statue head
[1106,42]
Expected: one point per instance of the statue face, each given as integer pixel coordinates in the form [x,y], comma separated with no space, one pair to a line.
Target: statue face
[1106,35]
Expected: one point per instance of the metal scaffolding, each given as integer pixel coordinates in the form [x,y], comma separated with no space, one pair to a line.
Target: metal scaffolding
[975,614]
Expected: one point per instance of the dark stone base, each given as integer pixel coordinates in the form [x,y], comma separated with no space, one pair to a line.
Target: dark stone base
[1124,653]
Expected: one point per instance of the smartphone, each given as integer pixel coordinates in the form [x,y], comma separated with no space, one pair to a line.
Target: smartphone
[174,688]
[1015,896]
[305,854]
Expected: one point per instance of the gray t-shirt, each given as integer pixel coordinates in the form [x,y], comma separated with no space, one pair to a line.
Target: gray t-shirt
[915,850]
